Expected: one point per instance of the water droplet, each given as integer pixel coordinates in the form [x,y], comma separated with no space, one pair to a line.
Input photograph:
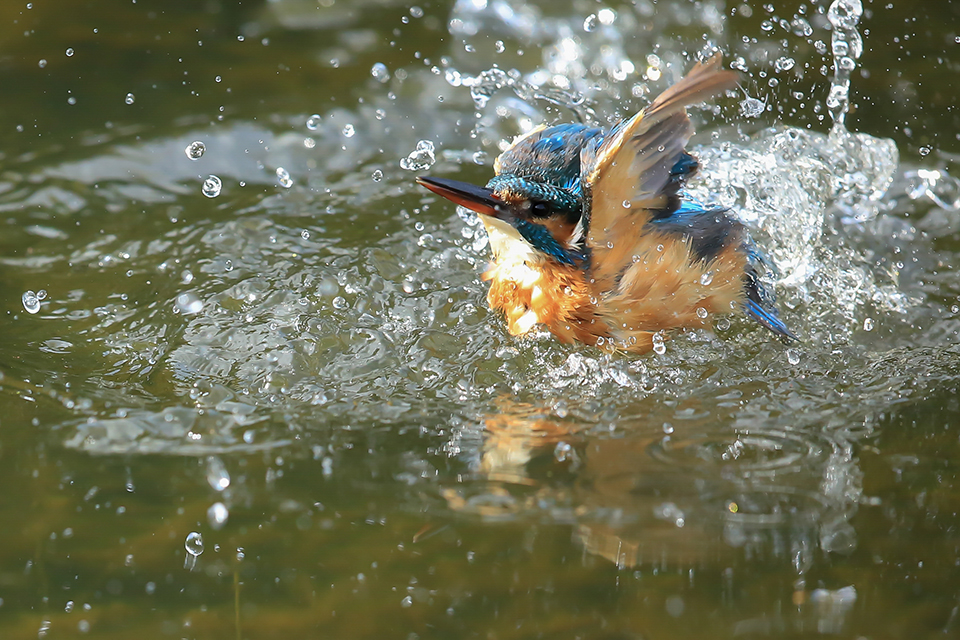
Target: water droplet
[31,302]
[283,177]
[499,47]
[607,16]
[590,23]
[706,278]
[218,79]
[377,175]
[406,602]
[701,313]
[130,99]
[188,304]
[562,451]
[194,546]
[71,100]
[69,51]
[313,122]
[380,72]
[658,344]
[217,475]
[42,63]
[217,515]
[453,77]
[784,63]
[211,186]
[340,303]
[69,606]
[751,107]
[793,356]
[309,143]
[348,131]
[801,27]
[305,234]
[195,150]
[868,324]
[626,204]
[423,157]
[845,14]
[328,287]
[925,150]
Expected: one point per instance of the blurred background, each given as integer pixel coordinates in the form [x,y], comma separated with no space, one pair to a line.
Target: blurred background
[250,386]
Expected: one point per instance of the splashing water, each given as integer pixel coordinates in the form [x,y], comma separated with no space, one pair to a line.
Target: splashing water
[847,46]
[785,182]
[423,157]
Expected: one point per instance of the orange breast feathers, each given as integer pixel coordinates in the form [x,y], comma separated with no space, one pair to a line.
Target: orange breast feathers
[664,287]
[556,296]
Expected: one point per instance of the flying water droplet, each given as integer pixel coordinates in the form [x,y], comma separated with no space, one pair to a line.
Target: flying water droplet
[706,278]
[211,186]
[217,515]
[130,99]
[194,546]
[348,131]
[195,150]
[69,51]
[423,157]
[801,27]
[590,23]
[283,177]
[217,475]
[784,63]
[42,63]
[793,356]
[313,122]
[380,72]
[377,175]
[188,304]
[751,107]
[868,324]
[31,302]
[701,313]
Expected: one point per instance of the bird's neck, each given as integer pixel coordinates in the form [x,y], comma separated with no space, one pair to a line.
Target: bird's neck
[508,246]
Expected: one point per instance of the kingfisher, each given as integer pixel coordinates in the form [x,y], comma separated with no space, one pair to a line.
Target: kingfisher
[594,237]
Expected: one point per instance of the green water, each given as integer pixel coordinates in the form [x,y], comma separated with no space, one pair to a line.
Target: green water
[316,363]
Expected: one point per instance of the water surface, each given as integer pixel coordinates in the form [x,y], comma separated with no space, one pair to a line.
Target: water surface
[296,361]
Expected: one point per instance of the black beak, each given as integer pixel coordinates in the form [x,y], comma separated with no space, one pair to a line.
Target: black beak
[479,199]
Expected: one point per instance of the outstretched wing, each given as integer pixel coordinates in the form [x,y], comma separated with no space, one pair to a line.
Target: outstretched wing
[633,175]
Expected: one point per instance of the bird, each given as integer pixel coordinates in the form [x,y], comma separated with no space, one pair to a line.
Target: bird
[594,237]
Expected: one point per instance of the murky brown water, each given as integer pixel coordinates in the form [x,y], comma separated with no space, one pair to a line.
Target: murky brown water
[302,368]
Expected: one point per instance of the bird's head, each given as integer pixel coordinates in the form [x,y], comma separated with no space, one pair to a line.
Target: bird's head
[543,217]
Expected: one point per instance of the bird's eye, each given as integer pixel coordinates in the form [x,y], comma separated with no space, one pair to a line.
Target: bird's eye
[539,209]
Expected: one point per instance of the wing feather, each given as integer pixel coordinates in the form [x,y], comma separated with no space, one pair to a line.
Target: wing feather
[627,176]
